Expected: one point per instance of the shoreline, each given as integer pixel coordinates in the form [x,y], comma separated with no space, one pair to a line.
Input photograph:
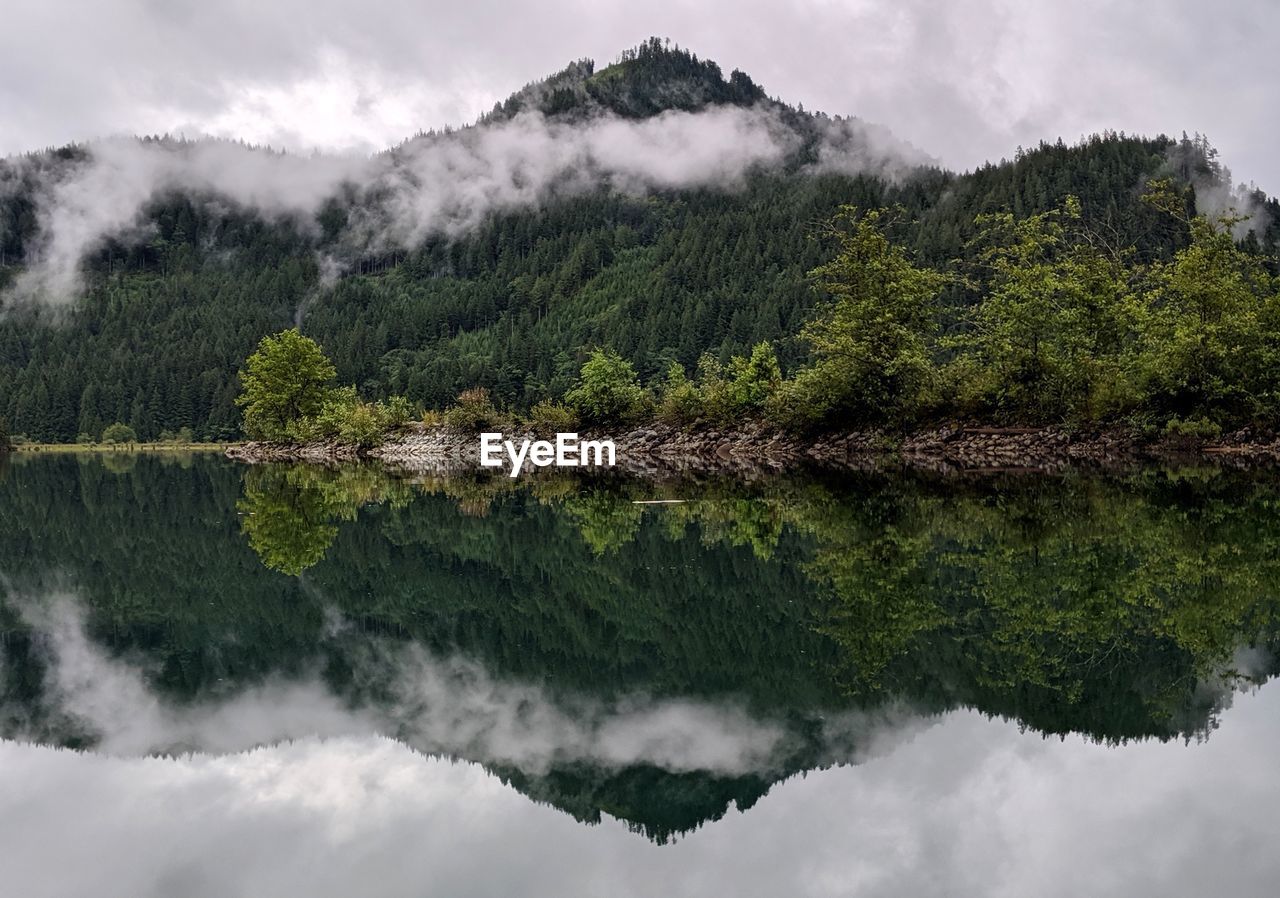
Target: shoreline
[659,448]
[37,448]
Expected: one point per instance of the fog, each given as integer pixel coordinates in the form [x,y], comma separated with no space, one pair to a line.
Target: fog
[436,184]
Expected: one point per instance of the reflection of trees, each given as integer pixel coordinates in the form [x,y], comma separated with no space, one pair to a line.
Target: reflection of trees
[1106,605]
[290,514]
[1112,607]
[1071,604]
[119,462]
[606,521]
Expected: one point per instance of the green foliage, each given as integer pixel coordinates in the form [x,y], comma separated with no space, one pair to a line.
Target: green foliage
[5,444]
[473,411]
[286,380]
[1210,333]
[679,399]
[511,304]
[871,356]
[1052,335]
[608,391]
[547,418]
[720,395]
[1191,432]
[119,433]
[397,412]
[83,439]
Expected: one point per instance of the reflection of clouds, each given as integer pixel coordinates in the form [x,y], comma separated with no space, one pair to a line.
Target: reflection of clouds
[438,705]
[969,807]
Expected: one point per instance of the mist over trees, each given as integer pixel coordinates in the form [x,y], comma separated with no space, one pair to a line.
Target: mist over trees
[694,267]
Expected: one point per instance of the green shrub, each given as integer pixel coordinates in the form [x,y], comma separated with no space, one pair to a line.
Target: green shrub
[119,433]
[681,401]
[83,439]
[1191,432]
[396,412]
[549,417]
[608,391]
[473,411]
[362,426]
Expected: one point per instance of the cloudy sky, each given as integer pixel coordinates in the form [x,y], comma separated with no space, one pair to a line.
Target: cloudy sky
[965,80]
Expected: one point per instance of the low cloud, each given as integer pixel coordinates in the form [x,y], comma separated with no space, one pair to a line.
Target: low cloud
[441,184]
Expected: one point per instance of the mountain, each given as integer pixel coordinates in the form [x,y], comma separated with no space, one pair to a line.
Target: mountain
[653,206]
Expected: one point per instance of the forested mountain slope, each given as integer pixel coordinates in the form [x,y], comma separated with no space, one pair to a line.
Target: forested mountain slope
[653,206]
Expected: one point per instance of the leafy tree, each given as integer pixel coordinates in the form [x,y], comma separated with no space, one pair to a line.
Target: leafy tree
[1051,336]
[287,379]
[1210,331]
[608,391]
[119,433]
[870,345]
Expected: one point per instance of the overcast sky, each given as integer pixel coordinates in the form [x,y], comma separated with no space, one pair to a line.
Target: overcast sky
[965,80]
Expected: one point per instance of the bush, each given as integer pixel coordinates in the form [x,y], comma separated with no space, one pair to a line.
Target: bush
[681,401]
[548,417]
[608,391]
[474,411]
[362,426]
[396,412]
[119,433]
[83,439]
[1191,432]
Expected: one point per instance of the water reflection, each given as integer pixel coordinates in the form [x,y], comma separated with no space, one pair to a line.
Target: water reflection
[969,807]
[657,665]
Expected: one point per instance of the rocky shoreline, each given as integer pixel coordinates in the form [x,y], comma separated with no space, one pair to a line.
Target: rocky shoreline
[659,448]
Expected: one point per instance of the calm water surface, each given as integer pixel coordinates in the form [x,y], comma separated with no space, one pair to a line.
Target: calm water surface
[219,680]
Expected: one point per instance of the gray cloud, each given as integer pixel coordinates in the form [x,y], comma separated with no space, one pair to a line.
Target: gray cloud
[442,183]
[966,80]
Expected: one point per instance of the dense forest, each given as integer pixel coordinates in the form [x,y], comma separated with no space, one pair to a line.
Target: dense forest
[166,309]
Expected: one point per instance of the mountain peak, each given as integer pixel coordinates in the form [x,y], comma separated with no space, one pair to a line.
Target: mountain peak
[649,79]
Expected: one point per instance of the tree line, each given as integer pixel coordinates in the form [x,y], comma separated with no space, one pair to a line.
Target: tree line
[1064,326]
[516,307]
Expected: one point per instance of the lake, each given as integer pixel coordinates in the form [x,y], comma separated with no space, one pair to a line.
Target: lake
[227,680]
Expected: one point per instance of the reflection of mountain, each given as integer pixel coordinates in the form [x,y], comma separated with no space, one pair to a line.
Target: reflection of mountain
[654,664]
